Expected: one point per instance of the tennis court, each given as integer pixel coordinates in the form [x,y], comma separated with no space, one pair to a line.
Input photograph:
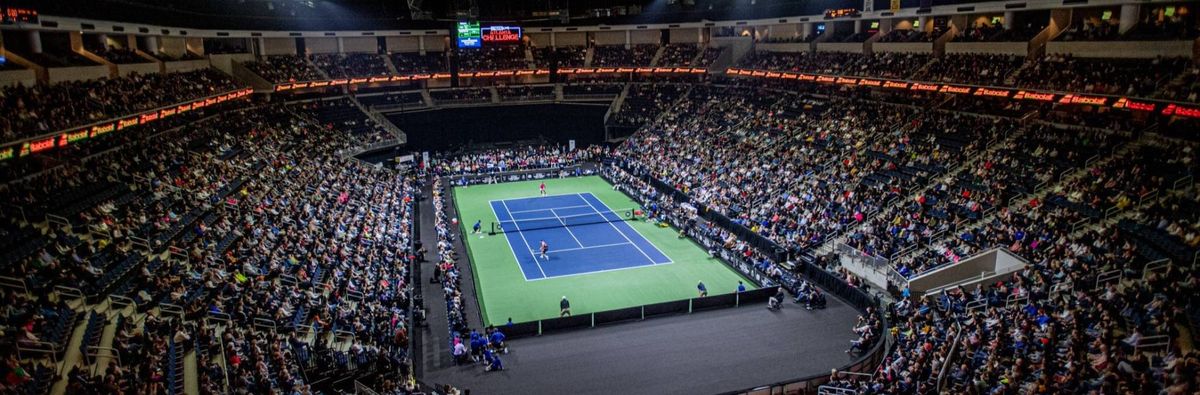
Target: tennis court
[583,234]
[600,257]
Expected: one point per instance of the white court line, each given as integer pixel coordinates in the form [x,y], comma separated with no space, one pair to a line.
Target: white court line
[584,248]
[568,228]
[510,246]
[545,209]
[535,197]
[592,272]
[535,258]
[648,258]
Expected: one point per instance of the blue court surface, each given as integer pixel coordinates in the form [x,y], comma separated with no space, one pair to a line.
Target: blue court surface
[584,236]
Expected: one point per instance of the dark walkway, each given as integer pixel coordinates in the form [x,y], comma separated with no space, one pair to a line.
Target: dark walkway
[702,353]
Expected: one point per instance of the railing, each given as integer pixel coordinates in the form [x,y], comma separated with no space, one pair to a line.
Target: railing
[1104,278]
[363,389]
[1183,182]
[116,303]
[638,313]
[26,349]
[1158,342]
[94,353]
[59,220]
[1161,265]
[264,323]
[14,283]
[172,309]
[63,291]
[142,243]
[941,379]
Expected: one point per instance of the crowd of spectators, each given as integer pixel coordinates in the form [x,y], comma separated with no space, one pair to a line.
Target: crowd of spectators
[343,115]
[348,65]
[502,160]
[458,96]
[726,148]
[645,102]
[284,68]
[415,63]
[522,92]
[497,57]
[1183,88]
[1131,77]
[1091,29]
[564,56]
[592,89]
[267,223]
[619,55]
[1164,77]
[979,69]
[392,99]
[907,35]
[880,65]
[27,111]
[679,55]
[1090,313]
[120,55]
[926,154]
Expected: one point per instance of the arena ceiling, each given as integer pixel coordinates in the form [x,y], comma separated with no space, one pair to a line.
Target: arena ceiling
[428,14]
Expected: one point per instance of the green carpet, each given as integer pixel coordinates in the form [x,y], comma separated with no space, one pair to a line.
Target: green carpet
[504,293]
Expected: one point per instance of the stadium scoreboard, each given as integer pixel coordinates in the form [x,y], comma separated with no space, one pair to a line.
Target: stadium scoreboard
[14,14]
[472,35]
[468,35]
[501,34]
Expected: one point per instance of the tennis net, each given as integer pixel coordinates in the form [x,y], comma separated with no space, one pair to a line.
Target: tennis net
[563,221]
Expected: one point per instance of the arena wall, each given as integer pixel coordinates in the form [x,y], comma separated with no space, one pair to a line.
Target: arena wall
[1020,48]
[24,77]
[924,48]
[403,44]
[81,73]
[840,47]
[279,46]
[317,45]
[360,45]
[783,47]
[140,68]
[1121,49]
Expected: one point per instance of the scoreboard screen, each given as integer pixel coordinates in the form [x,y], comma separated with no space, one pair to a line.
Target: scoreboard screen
[501,34]
[468,35]
[13,14]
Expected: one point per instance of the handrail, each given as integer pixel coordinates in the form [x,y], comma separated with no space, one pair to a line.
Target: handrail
[14,283]
[264,323]
[941,383]
[118,300]
[1106,277]
[74,293]
[219,316]
[23,347]
[171,309]
[93,354]
[58,220]
[142,242]
[1155,266]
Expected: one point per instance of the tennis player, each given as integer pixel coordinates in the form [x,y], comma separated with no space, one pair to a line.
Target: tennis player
[542,188]
[545,248]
